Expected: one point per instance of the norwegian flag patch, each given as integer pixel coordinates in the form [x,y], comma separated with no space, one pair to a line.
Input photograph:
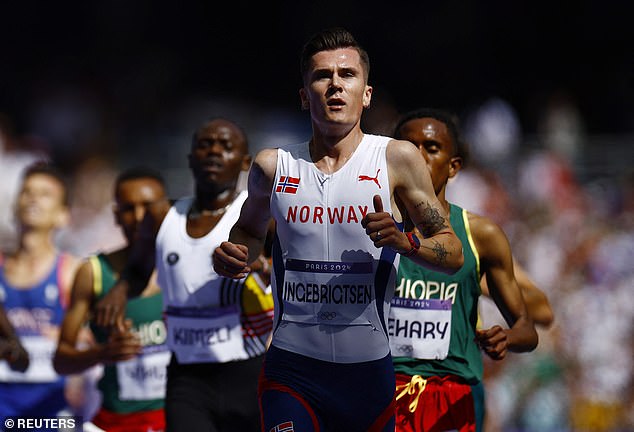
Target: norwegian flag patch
[283,427]
[287,184]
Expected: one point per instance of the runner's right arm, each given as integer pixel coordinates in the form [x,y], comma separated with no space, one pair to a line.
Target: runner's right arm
[246,240]
[69,358]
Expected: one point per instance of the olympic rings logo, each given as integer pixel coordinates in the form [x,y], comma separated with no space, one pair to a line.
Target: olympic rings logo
[327,316]
[404,348]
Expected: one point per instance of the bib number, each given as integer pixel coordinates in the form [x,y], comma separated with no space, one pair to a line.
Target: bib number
[328,292]
[143,377]
[205,335]
[420,328]
[41,350]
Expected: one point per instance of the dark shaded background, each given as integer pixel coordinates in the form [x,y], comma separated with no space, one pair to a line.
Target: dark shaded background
[140,57]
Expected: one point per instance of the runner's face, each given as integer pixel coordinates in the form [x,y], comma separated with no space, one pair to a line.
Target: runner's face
[434,142]
[134,198]
[219,153]
[335,88]
[40,202]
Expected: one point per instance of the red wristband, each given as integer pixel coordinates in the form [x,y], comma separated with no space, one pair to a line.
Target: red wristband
[413,242]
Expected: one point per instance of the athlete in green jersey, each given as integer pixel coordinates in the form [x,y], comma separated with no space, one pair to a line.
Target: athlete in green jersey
[136,385]
[135,359]
[433,319]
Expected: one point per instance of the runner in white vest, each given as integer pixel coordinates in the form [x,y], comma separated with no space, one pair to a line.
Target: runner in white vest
[336,249]
[217,328]
[330,275]
[199,304]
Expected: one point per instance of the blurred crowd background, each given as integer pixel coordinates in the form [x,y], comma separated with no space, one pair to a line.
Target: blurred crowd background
[544,91]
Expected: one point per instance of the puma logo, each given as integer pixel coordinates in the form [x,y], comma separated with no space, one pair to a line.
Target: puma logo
[374,179]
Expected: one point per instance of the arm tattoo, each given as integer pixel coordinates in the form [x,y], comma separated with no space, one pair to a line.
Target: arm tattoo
[432,221]
[440,252]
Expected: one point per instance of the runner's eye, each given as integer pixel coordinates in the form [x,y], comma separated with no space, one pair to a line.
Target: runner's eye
[431,147]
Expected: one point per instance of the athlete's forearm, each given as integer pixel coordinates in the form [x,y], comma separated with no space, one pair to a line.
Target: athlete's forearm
[255,244]
[70,360]
[538,307]
[133,281]
[14,353]
[442,252]
[522,336]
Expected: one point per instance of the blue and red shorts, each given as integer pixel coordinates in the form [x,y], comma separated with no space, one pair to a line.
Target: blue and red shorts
[299,393]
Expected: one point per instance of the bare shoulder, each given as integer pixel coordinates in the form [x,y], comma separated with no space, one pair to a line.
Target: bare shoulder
[266,162]
[84,269]
[262,173]
[487,234]
[82,286]
[401,151]
[403,160]
[71,265]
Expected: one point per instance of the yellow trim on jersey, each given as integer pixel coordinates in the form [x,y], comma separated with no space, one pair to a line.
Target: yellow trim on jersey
[256,296]
[97,280]
[467,227]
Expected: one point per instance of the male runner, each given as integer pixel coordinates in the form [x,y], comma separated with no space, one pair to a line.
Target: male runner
[35,281]
[135,359]
[336,249]
[432,324]
[217,328]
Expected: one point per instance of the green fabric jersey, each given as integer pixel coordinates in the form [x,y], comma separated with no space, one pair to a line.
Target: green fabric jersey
[463,288]
[146,314]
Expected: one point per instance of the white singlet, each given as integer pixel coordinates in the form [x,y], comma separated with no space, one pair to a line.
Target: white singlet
[203,310]
[331,285]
